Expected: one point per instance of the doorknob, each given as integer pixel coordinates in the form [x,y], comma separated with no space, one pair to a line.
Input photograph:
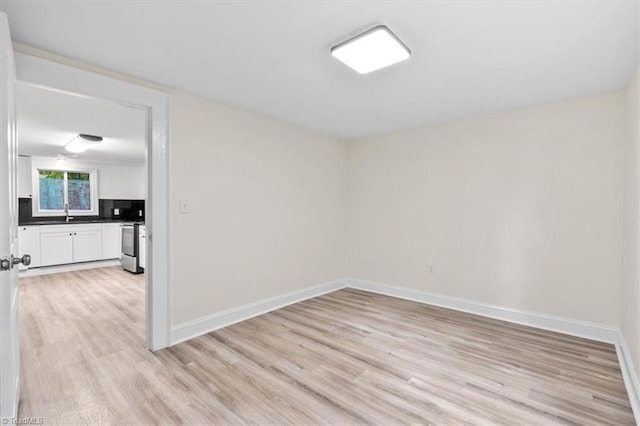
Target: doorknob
[10,262]
[25,260]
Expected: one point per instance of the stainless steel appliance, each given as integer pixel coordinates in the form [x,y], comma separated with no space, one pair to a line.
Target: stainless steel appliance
[130,248]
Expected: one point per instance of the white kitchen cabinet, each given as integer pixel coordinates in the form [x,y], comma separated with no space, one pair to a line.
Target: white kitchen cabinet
[29,243]
[56,245]
[62,244]
[25,187]
[142,246]
[87,243]
[111,240]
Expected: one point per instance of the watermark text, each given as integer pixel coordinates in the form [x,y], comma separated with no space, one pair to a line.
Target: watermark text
[23,420]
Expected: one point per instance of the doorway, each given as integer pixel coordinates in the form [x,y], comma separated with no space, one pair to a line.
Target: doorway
[53,76]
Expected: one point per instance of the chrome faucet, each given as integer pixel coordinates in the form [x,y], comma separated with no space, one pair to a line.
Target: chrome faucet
[66,212]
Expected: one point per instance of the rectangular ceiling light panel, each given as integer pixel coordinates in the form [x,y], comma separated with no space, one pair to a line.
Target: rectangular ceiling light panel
[371,50]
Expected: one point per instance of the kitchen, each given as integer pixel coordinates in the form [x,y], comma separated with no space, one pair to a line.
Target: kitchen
[81,183]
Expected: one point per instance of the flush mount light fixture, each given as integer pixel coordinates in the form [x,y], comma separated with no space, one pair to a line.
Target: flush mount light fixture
[81,143]
[374,49]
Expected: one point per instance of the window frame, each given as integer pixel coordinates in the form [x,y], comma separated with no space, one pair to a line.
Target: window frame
[93,188]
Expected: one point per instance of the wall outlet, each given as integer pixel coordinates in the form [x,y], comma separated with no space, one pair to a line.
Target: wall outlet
[140,213]
[432,269]
[116,212]
[185,207]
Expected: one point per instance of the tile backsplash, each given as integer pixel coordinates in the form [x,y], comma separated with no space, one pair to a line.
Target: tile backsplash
[129,210]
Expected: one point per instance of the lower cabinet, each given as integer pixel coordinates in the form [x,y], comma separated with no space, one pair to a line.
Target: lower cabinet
[62,244]
[87,244]
[56,246]
[111,240]
[29,243]
[142,246]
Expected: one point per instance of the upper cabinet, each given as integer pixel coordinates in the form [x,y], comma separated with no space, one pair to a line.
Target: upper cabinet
[24,177]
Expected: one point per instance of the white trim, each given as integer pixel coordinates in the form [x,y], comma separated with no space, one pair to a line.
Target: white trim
[200,326]
[598,332]
[46,270]
[629,374]
[16,405]
[63,78]
[601,333]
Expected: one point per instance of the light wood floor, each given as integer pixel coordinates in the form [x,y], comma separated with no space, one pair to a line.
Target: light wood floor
[349,357]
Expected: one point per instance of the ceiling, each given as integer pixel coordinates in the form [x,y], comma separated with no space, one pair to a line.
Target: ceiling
[48,120]
[273,57]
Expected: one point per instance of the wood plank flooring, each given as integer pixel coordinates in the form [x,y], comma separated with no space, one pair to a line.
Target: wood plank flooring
[349,357]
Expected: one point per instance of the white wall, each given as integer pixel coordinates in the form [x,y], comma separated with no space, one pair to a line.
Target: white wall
[631,259]
[522,210]
[114,181]
[267,208]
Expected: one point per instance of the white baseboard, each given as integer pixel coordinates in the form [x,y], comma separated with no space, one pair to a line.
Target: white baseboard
[45,270]
[601,333]
[629,374]
[200,326]
[598,332]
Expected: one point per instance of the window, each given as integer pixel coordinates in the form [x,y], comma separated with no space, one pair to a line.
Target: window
[79,191]
[59,188]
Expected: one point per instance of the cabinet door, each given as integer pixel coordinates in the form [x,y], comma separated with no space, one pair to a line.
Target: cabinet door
[56,248]
[142,247]
[22,231]
[87,245]
[24,177]
[111,240]
[29,243]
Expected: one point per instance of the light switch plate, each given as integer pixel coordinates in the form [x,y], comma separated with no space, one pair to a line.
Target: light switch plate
[116,212]
[185,207]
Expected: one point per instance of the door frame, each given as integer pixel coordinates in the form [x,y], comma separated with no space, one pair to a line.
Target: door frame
[10,377]
[59,77]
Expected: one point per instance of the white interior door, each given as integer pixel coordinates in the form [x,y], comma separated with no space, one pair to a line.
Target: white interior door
[9,330]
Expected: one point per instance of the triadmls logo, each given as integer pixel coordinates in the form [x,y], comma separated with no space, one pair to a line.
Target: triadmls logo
[23,420]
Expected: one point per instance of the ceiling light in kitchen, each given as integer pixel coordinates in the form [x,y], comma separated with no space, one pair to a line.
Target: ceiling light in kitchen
[81,143]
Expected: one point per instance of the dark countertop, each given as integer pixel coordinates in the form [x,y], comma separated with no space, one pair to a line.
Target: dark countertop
[74,222]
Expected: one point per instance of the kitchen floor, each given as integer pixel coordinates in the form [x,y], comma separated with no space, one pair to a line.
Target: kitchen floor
[349,357]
